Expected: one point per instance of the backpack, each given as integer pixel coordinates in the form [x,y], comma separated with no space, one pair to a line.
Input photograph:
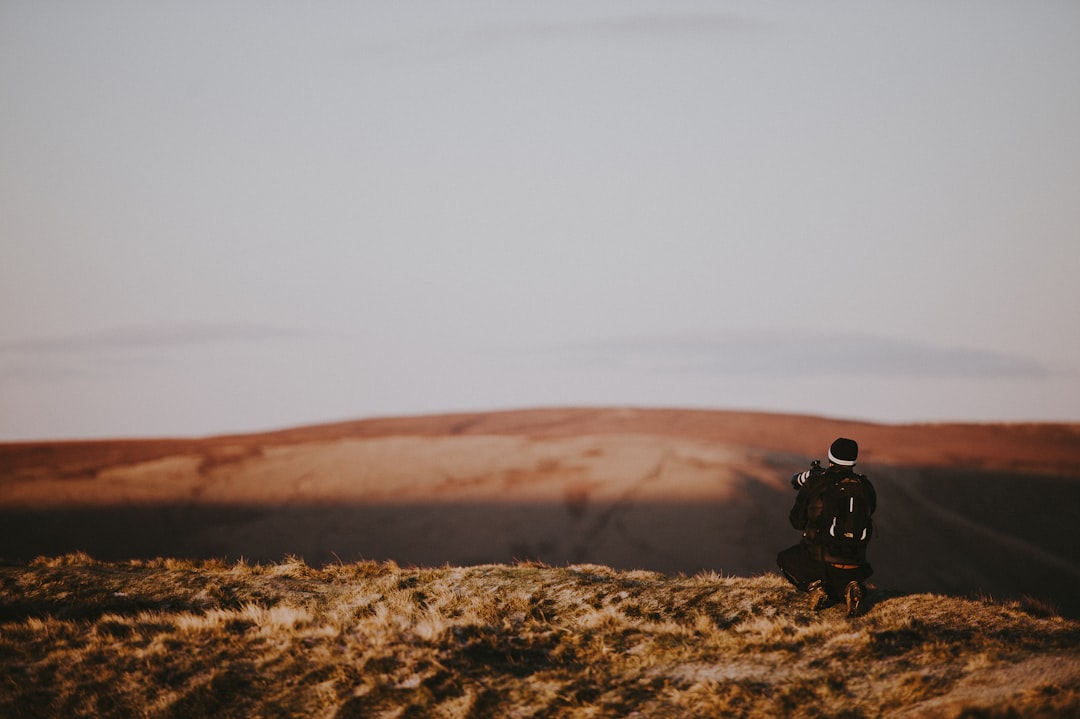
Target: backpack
[845,518]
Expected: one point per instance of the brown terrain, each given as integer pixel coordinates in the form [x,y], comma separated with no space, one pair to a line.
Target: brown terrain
[983,509]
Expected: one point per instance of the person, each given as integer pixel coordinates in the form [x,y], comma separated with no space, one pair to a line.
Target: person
[833,510]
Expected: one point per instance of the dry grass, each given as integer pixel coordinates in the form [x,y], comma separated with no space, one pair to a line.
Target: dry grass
[172,638]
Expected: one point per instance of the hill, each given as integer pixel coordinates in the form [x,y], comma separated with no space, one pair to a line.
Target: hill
[169,638]
[963,509]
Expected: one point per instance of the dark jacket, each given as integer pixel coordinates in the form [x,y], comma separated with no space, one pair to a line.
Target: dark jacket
[806,515]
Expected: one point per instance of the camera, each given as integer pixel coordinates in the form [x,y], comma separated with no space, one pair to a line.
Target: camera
[799,479]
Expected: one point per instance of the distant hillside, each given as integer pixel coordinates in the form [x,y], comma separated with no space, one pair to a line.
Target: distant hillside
[964,509]
[170,638]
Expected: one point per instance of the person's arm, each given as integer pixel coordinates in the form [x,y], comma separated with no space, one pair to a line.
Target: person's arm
[797,517]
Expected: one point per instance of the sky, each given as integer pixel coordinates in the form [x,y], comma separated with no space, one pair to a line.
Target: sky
[239,216]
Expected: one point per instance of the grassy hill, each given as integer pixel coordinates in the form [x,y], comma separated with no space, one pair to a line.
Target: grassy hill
[962,508]
[172,638]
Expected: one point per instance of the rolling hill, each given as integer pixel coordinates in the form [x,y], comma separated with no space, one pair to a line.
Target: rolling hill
[963,509]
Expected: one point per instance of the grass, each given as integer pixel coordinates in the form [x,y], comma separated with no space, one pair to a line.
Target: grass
[173,638]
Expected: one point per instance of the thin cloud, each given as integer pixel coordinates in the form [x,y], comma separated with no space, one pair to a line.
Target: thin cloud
[799,355]
[635,27]
[150,338]
[48,372]
[118,354]
[642,26]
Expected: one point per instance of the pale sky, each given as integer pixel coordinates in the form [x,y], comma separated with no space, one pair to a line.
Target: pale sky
[238,216]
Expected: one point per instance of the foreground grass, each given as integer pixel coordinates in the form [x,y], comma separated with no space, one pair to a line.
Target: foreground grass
[171,638]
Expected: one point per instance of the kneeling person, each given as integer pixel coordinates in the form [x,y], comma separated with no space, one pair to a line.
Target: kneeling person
[833,510]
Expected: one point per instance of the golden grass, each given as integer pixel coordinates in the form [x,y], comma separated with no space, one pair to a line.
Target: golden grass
[172,638]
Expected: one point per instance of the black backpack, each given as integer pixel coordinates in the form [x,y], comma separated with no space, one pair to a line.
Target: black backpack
[845,517]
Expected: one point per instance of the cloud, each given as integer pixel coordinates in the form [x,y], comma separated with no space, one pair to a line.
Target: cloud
[116,354]
[641,26]
[798,354]
[654,26]
[150,338]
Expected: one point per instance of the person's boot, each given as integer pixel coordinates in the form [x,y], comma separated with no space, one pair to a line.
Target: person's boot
[818,596]
[854,594]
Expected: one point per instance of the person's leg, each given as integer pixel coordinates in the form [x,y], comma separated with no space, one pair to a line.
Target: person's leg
[846,584]
[799,568]
[837,578]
